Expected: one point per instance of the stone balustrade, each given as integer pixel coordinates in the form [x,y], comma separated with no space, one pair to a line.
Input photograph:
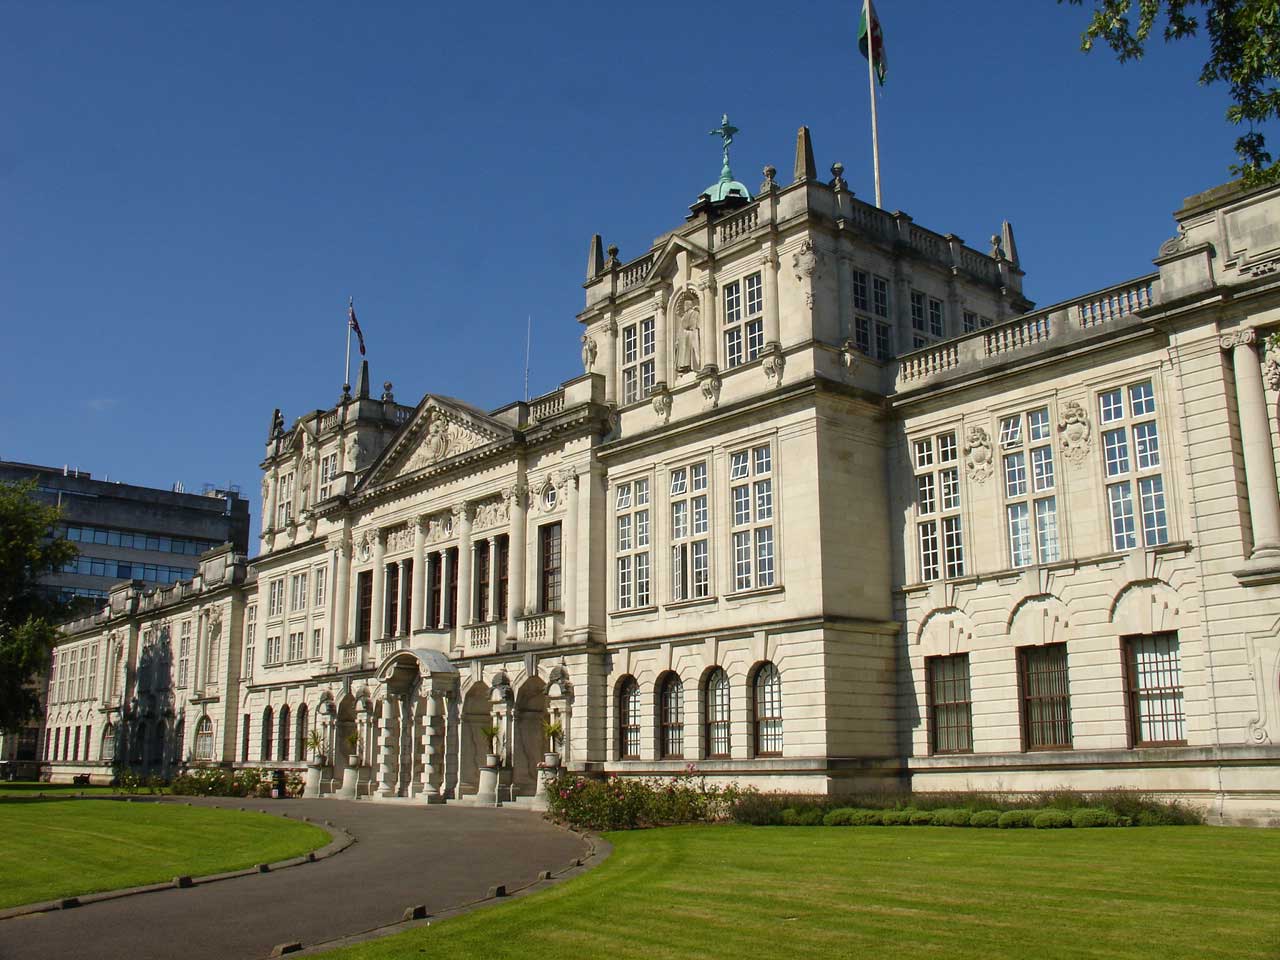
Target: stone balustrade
[539,629]
[389,645]
[483,637]
[546,406]
[351,656]
[739,225]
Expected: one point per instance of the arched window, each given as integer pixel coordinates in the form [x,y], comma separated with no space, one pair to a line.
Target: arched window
[300,734]
[265,752]
[766,706]
[108,752]
[283,747]
[629,719]
[671,718]
[204,739]
[717,726]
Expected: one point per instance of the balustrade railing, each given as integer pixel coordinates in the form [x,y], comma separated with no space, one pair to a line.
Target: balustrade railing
[540,629]
[1115,303]
[635,272]
[546,406]
[482,637]
[738,225]
[352,656]
[928,362]
[1016,334]
[390,645]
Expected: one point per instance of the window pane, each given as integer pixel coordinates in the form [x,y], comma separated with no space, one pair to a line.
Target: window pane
[953,546]
[1045,700]
[1042,468]
[1142,399]
[1015,474]
[1111,406]
[1120,505]
[624,497]
[951,716]
[1038,424]
[699,515]
[946,448]
[1115,447]
[1155,677]
[678,481]
[1047,529]
[928,533]
[950,482]
[764,557]
[1019,535]
[1146,445]
[742,560]
[1155,529]
[923,453]
[925,501]
[1011,431]
[764,499]
[741,504]
[738,465]
[698,477]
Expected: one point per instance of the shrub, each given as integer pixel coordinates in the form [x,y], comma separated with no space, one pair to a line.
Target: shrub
[1093,817]
[1052,820]
[802,818]
[758,809]
[867,818]
[951,818]
[985,818]
[921,818]
[1011,819]
[839,817]
[622,804]
[896,818]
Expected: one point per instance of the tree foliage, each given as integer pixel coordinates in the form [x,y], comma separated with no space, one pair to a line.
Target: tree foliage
[1244,53]
[28,613]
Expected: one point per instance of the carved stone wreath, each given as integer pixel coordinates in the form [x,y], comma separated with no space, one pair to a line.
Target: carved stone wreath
[977,452]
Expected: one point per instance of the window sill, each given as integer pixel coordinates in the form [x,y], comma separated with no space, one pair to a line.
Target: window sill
[757,592]
[695,602]
[632,612]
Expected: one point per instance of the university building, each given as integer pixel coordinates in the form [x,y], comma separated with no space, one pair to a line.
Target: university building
[833,505]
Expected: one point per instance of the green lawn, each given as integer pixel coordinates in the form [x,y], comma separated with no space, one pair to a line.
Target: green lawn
[27,788]
[60,848]
[902,892]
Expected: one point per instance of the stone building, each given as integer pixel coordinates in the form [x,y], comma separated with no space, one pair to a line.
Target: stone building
[833,505]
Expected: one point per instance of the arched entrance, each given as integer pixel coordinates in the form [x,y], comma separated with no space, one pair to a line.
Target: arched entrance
[417,685]
[530,742]
[344,750]
[475,744]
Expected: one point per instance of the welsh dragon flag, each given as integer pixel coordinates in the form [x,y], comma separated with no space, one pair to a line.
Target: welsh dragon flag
[869,30]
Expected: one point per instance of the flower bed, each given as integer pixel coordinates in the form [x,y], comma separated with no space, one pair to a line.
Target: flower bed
[619,803]
[221,782]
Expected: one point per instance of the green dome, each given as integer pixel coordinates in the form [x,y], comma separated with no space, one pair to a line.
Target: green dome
[726,187]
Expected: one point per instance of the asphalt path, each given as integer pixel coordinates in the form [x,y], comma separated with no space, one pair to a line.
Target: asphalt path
[440,856]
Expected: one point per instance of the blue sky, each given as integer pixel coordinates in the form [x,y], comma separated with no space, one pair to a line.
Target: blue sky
[188,196]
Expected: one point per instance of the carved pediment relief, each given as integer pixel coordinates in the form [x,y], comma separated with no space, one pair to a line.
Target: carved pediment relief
[437,434]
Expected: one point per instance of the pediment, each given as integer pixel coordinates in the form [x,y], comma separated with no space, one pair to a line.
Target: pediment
[664,262]
[440,430]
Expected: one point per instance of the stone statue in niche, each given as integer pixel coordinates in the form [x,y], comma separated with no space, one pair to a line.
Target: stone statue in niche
[977,451]
[688,334]
[266,503]
[355,451]
[1074,427]
[588,354]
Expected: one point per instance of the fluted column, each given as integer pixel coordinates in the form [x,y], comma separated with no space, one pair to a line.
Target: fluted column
[432,747]
[462,522]
[419,592]
[660,336]
[446,571]
[492,604]
[1255,437]
[403,589]
[610,336]
[378,617]
[516,533]
[772,327]
[569,547]
[387,761]
[269,522]
[710,326]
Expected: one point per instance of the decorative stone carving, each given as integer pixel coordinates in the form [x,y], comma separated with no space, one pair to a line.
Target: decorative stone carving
[1074,427]
[491,513]
[589,350]
[711,384]
[215,624]
[548,498]
[1271,372]
[356,452]
[770,182]
[341,543]
[1238,338]
[774,363]
[1174,243]
[400,538]
[1261,269]
[805,264]
[516,495]
[461,512]
[849,356]
[439,527]
[443,438]
[837,177]
[561,479]
[688,314]
[977,452]
[364,546]
[266,501]
[662,402]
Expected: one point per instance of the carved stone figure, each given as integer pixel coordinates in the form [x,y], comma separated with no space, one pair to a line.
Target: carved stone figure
[437,437]
[774,362]
[365,549]
[1271,372]
[1074,427]
[439,527]
[805,260]
[400,538]
[588,353]
[491,513]
[688,333]
[977,452]
[848,356]
[266,501]
[215,624]
[355,451]
[662,404]
[711,389]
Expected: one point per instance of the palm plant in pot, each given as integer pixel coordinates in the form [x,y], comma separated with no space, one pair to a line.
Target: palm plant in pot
[554,733]
[353,746]
[315,746]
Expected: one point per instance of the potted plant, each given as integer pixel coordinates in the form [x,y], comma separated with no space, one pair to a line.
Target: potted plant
[315,744]
[353,745]
[491,733]
[554,732]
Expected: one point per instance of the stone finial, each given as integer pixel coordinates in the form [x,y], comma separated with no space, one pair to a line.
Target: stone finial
[277,424]
[770,184]
[997,250]
[805,169]
[1010,248]
[837,176]
[595,257]
[387,395]
[613,255]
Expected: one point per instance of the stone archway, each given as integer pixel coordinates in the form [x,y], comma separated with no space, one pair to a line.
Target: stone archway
[345,774]
[474,744]
[530,741]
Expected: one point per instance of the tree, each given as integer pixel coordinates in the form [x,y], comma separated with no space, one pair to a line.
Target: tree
[1244,53]
[28,612]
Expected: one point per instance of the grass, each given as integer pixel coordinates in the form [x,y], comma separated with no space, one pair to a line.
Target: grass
[60,848]
[732,892]
[28,788]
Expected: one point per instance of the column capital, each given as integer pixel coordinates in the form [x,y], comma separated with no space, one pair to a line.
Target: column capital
[516,494]
[1240,337]
[340,542]
[462,512]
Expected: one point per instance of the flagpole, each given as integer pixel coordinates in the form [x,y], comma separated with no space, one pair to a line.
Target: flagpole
[528,345]
[346,380]
[871,79]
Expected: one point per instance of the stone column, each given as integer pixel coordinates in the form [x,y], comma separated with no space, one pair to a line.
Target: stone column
[387,761]
[402,593]
[462,735]
[445,573]
[1255,437]
[516,533]
[569,547]
[660,337]
[492,604]
[341,548]
[269,522]
[609,333]
[419,593]
[710,322]
[379,616]
[197,644]
[432,747]
[462,521]
[772,326]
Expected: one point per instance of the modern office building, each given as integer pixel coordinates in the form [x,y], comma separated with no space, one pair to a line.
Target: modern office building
[832,505]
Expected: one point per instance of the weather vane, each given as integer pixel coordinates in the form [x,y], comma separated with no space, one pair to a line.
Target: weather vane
[725,132]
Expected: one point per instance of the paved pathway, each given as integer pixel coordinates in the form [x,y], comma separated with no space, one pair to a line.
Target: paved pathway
[442,856]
